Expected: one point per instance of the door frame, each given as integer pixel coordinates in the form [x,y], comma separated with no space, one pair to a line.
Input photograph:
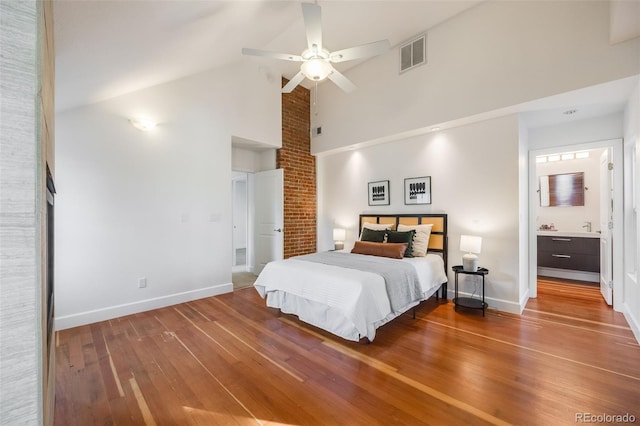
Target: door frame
[618,205]
[606,273]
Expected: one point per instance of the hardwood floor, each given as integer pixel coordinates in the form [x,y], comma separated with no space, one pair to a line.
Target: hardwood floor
[242,280]
[231,360]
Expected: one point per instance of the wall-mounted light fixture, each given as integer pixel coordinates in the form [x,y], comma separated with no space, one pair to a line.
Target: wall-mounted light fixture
[143,124]
[564,156]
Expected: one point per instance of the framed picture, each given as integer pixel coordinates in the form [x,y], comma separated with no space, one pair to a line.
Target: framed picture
[417,190]
[379,193]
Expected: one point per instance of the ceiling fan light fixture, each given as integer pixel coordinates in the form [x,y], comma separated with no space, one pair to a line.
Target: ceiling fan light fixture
[316,69]
[316,60]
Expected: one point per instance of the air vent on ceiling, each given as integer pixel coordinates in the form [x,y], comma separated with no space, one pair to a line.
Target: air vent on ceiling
[413,53]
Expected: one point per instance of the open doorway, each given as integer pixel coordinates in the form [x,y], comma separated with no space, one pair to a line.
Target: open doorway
[249,160]
[572,256]
[258,217]
[575,190]
[568,215]
[242,276]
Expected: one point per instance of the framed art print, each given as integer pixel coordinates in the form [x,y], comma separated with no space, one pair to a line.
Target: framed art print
[378,193]
[417,190]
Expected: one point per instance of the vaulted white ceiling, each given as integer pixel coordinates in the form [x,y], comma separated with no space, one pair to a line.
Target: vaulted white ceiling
[109,48]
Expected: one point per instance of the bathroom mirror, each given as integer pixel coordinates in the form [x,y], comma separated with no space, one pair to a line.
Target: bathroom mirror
[565,189]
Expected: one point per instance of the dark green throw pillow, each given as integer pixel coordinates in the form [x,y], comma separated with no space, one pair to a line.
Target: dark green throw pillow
[402,237]
[373,235]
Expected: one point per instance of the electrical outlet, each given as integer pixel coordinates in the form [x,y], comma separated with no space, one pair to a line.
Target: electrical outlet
[142,282]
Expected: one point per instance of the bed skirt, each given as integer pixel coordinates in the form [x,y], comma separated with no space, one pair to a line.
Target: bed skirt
[329,318]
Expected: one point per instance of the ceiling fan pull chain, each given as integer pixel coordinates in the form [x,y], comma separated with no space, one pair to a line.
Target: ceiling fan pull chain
[315,94]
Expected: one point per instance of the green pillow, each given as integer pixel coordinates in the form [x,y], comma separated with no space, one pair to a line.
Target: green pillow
[373,236]
[402,237]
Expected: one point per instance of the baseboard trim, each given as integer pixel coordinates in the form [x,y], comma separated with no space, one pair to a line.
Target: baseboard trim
[103,314]
[499,304]
[523,300]
[569,274]
[634,323]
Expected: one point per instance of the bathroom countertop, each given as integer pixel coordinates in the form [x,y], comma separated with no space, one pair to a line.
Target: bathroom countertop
[575,234]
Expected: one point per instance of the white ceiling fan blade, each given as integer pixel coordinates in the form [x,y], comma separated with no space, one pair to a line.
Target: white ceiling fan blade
[362,51]
[284,56]
[313,23]
[288,88]
[341,81]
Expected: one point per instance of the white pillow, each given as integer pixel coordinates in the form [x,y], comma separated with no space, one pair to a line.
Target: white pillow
[421,239]
[378,226]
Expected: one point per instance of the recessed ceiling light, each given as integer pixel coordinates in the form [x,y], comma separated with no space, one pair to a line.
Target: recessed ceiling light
[570,111]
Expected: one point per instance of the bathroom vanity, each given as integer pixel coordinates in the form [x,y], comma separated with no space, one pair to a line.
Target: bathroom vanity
[569,252]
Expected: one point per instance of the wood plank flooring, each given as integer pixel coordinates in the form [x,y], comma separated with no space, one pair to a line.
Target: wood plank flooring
[231,360]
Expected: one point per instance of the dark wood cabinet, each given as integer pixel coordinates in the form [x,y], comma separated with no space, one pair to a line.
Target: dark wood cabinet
[573,253]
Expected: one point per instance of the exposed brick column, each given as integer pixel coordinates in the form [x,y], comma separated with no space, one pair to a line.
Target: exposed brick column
[300,209]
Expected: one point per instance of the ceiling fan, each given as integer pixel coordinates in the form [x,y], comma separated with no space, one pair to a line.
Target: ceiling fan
[316,60]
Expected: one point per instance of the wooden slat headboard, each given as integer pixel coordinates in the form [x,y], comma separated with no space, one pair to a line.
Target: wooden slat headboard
[437,241]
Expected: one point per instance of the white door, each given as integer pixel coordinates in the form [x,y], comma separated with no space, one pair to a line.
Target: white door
[606,222]
[269,217]
[239,191]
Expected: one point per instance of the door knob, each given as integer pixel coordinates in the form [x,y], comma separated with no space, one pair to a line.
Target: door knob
[278,230]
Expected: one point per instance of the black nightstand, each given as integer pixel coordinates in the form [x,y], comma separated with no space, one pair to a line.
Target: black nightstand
[468,302]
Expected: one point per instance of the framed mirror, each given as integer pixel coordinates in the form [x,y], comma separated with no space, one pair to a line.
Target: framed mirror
[565,189]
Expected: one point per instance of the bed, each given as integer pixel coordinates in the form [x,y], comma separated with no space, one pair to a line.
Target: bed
[352,294]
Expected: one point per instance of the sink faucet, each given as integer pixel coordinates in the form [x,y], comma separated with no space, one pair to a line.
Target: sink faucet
[588,226]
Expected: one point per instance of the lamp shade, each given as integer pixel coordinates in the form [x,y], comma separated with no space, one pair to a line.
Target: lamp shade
[470,244]
[339,234]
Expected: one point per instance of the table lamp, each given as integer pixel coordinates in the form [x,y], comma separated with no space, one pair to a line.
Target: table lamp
[339,235]
[471,245]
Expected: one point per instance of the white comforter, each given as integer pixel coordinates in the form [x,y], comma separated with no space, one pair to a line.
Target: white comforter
[347,302]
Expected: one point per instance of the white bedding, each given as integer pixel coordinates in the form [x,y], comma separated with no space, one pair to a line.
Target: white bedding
[346,302]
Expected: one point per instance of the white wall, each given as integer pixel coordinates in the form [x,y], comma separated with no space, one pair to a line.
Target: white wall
[631,292]
[474,172]
[158,204]
[492,56]
[576,132]
[249,160]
